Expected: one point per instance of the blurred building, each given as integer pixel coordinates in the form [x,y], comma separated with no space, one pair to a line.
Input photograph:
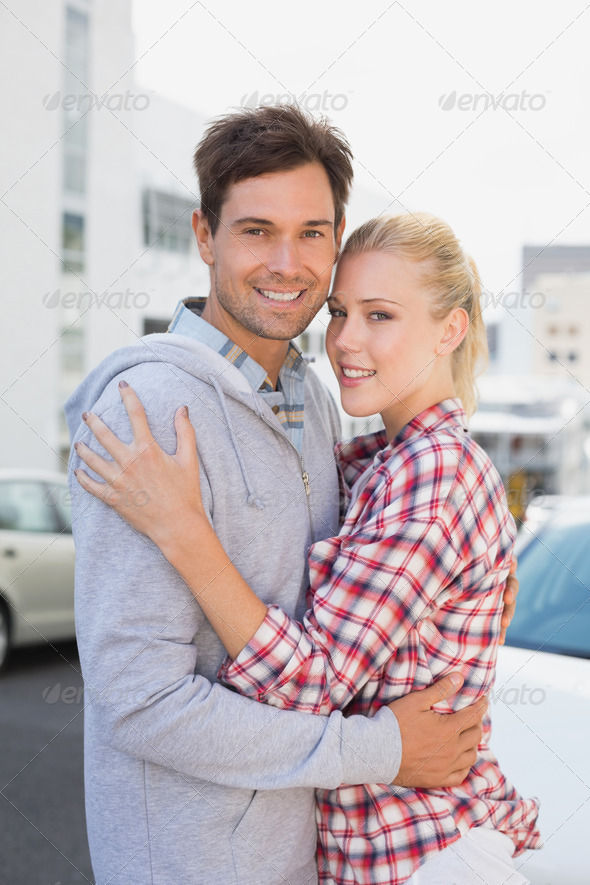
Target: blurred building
[561,322]
[99,193]
[537,433]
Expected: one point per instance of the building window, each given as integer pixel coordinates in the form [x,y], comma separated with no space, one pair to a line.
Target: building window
[73,242]
[72,349]
[167,221]
[74,172]
[492,335]
[76,33]
[152,326]
[303,342]
[75,102]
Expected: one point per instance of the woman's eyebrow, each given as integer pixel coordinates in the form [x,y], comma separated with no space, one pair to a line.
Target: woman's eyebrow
[386,300]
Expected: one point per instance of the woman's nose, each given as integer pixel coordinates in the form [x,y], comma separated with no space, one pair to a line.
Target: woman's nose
[347,337]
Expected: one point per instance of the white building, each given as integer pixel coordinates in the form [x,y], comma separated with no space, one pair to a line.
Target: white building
[96,171]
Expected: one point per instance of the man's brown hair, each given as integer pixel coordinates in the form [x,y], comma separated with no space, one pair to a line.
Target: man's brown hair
[255,141]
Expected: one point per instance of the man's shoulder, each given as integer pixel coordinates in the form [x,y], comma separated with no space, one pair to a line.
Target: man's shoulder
[319,398]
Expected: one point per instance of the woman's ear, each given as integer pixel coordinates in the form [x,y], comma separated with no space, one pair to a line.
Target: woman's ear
[203,236]
[455,329]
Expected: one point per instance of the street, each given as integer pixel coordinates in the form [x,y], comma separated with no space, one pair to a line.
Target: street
[42,817]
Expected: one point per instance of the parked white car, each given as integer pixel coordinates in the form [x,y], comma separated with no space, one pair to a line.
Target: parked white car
[541,702]
[36,560]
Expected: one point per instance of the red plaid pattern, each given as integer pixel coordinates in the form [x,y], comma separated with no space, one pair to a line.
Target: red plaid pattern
[410,589]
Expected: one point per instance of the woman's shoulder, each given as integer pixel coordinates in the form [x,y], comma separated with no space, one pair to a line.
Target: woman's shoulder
[436,454]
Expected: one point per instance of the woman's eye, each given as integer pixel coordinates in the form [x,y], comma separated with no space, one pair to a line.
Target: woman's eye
[336,312]
[379,315]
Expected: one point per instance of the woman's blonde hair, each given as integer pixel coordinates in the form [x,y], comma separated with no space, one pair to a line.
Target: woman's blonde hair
[449,272]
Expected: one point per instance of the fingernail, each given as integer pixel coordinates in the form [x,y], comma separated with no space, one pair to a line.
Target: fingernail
[123,384]
[85,416]
[184,411]
[76,448]
[456,679]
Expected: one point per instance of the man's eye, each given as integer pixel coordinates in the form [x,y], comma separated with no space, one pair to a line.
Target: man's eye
[255,231]
[312,234]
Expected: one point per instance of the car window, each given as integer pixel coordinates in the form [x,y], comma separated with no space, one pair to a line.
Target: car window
[59,496]
[553,608]
[23,507]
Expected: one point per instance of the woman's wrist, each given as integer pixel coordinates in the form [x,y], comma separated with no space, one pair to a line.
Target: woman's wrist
[188,533]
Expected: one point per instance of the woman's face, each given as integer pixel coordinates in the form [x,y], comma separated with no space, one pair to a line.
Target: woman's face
[388,352]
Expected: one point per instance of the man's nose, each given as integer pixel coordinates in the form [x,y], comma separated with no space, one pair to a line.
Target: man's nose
[285,261]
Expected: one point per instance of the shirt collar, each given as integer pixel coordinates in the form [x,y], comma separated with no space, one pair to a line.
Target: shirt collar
[445,414]
[187,321]
[448,414]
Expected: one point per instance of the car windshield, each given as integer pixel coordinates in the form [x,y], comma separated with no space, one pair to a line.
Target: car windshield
[553,609]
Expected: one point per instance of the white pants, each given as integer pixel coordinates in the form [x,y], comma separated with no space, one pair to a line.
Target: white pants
[480,857]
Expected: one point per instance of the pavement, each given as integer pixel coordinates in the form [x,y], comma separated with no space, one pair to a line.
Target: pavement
[42,821]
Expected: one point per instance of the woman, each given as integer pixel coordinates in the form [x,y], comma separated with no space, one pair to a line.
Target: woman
[410,589]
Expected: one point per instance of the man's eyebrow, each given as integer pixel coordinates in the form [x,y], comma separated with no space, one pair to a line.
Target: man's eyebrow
[249,219]
[265,222]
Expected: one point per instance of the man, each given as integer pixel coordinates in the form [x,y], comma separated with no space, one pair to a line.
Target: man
[185,780]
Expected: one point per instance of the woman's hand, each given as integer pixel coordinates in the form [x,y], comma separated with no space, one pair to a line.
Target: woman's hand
[154,492]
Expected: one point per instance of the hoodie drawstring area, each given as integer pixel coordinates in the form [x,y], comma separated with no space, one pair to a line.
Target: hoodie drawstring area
[252,498]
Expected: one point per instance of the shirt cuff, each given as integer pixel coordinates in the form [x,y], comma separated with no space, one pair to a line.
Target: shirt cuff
[259,666]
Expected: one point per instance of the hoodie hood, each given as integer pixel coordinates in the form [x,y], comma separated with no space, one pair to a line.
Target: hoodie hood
[176,352]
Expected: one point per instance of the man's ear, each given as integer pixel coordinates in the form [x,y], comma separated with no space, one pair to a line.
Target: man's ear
[203,236]
[455,329]
[339,234]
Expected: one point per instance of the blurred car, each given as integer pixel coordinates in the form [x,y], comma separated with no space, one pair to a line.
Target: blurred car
[540,705]
[36,560]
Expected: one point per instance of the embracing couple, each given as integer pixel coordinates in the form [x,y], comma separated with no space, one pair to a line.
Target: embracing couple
[287,639]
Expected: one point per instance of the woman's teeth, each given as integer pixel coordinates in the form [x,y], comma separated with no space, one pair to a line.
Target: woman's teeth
[280,296]
[357,373]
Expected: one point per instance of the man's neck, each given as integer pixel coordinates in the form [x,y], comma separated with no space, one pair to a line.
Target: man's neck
[267,352]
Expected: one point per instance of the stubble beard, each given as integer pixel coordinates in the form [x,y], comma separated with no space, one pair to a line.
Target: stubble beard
[282,326]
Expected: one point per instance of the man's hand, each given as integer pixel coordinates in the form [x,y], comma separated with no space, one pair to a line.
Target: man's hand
[438,749]
[510,594]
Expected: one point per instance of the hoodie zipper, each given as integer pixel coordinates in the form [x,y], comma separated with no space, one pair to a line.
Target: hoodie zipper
[304,473]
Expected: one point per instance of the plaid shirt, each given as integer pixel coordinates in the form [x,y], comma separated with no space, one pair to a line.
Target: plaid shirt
[409,590]
[286,402]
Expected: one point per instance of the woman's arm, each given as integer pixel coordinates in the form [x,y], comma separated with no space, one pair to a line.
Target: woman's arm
[376,588]
[156,493]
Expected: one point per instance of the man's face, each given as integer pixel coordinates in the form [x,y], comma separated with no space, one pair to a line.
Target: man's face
[272,255]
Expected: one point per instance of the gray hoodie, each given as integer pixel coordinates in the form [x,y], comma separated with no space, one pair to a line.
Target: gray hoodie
[187,781]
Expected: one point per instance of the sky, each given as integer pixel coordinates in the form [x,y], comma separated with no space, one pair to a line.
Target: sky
[476,112]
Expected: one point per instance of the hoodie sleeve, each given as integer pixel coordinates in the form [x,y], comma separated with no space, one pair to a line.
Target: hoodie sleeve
[138,633]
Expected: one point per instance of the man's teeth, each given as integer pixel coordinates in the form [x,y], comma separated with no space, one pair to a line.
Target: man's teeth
[280,296]
[357,373]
